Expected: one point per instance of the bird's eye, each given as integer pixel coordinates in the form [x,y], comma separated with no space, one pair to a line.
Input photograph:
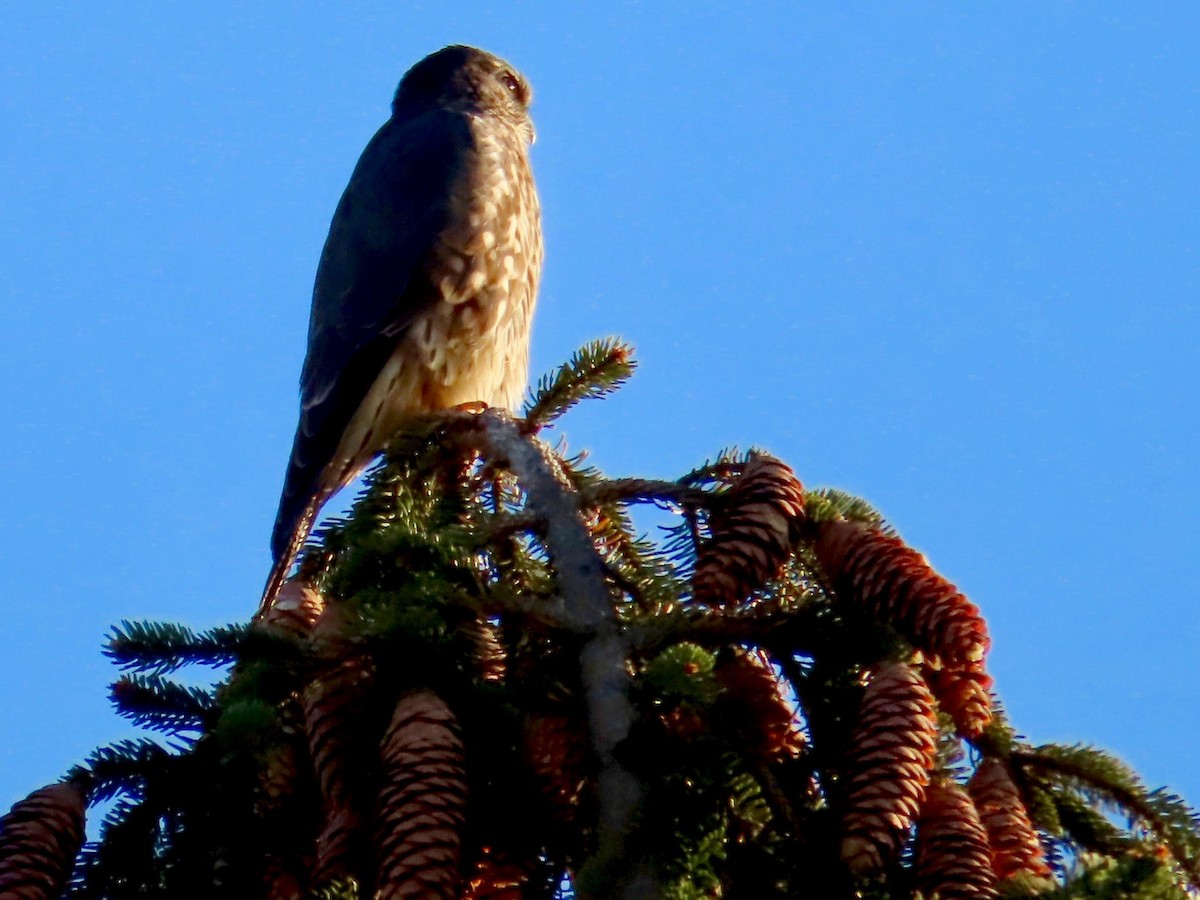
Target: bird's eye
[510,81]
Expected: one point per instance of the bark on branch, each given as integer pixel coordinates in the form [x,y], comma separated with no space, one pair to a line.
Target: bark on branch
[588,608]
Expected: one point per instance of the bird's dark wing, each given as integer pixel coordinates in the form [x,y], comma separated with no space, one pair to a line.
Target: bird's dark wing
[371,283]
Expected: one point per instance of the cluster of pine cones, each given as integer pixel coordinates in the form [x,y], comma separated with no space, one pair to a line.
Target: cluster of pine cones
[967,840]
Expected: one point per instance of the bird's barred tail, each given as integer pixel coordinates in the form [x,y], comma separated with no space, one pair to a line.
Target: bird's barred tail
[283,563]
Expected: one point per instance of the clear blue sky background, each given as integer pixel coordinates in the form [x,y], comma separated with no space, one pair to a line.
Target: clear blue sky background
[941,255]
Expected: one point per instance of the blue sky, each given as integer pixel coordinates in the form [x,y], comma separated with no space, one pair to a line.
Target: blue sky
[944,256]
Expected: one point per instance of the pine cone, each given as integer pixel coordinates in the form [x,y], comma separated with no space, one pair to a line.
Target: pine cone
[752,532]
[965,695]
[277,780]
[340,846]
[892,750]
[422,802]
[333,707]
[1016,849]
[491,659]
[952,856]
[557,753]
[296,609]
[762,707]
[39,839]
[893,583]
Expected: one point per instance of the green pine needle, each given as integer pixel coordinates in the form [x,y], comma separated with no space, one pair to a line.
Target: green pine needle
[163,647]
[594,370]
[683,672]
[746,801]
[824,504]
[1108,783]
[1095,877]
[125,766]
[157,704]
[1088,828]
[342,889]
[700,879]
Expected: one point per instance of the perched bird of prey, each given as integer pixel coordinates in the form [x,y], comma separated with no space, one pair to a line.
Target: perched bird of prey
[426,286]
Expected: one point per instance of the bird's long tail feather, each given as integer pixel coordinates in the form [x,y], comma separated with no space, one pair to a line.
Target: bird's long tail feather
[283,564]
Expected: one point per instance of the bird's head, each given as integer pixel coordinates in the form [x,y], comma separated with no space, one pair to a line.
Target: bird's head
[460,77]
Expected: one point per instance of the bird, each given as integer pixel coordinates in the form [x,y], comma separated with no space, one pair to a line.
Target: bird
[426,286]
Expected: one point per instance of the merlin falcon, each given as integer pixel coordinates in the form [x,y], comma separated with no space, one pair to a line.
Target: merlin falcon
[426,286]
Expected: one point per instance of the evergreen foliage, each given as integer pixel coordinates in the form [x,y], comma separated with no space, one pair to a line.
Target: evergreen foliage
[484,681]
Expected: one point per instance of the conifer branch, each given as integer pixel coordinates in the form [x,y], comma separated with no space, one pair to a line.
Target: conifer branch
[645,490]
[779,802]
[123,768]
[547,613]
[824,504]
[791,628]
[163,647]
[1087,827]
[598,715]
[124,857]
[1096,877]
[723,471]
[579,571]
[500,526]
[1106,779]
[157,704]
[594,370]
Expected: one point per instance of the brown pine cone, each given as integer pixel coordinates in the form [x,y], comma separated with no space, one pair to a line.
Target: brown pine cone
[895,584]
[491,659]
[1016,849]
[277,780]
[39,839]
[952,857]
[296,609]
[763,709]
[965,695]
[333,706]
[893,748]
[557,752]
[753,528]
[422,803]
[340,846]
